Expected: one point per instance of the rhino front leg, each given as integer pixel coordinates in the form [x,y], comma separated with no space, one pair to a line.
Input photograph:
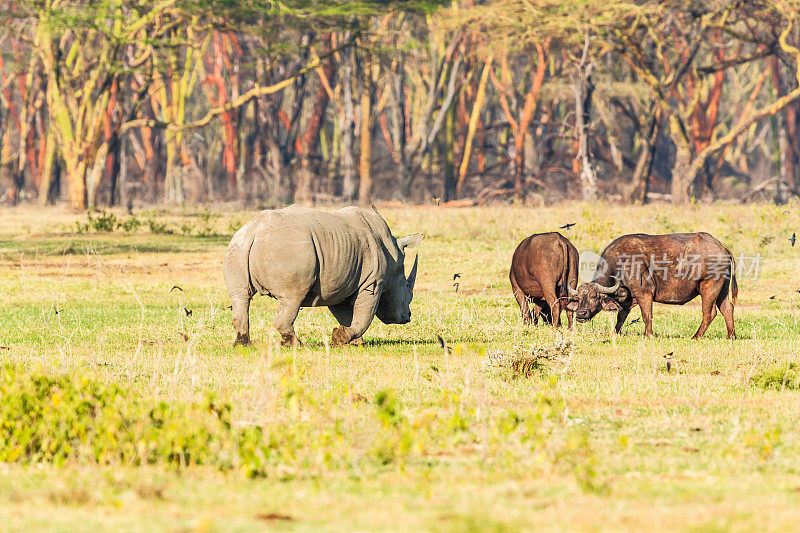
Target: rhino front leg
[343,313]
[362,314]
[241,320]
[284,322]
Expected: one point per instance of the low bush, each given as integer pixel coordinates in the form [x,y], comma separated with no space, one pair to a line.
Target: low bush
[778,377]
[63,419]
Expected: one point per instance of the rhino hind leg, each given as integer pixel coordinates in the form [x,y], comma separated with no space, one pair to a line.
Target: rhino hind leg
[241,320]
[284,322]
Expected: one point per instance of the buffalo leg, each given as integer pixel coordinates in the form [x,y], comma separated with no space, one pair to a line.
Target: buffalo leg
[622,315]
[523,300]
[241,320]
[726,308]
[284,322]
[570,315]
[555,307]
[709,312]
[646,307]
[536,312]
[363,312]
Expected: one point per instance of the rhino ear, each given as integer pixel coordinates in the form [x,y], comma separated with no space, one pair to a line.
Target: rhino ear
[412,241]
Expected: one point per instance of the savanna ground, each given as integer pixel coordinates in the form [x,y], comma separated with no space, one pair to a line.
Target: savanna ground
[397,434]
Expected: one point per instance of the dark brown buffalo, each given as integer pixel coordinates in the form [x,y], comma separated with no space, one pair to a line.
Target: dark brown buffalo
[669,269]
[542,268]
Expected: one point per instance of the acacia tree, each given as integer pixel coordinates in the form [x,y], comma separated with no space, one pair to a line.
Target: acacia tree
[664,47]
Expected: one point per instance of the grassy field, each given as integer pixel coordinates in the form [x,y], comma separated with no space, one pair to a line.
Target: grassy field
[397,434]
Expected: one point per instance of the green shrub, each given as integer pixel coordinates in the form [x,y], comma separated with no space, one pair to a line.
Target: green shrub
[778,377]
[63,419]
[103,222]
[131,225]
[207,219]
[157,227]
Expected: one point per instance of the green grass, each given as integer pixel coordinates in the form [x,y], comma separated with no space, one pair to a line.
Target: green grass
[396,434]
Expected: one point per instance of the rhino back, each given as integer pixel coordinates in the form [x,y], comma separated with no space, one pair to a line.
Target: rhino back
[320,257]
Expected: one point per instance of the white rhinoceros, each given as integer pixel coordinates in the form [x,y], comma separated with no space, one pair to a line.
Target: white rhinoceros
[346,260]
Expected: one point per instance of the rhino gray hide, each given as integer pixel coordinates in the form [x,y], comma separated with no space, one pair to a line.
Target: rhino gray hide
[346,260]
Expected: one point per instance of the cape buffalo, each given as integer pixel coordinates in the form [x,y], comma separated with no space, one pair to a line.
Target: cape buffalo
[346,260]
[543,267]
[670,269]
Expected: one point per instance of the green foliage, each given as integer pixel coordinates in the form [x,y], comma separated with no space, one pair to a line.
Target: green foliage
[63,419]
[785,376]
[207,219]
[157,227]
[131,225]
[103,222]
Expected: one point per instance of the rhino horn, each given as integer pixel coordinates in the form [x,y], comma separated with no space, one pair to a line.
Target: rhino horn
[412,277]
[411,241]
[608,290]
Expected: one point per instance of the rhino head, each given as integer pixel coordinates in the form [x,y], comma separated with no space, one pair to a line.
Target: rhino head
[394,305]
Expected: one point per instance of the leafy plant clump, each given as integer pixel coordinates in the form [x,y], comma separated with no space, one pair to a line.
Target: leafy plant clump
[785,376]
[105,222]
[525,361]
[65,419]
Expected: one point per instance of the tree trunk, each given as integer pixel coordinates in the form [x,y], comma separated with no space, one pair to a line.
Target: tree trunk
[640,183]
[449,156]
[365,155]
[684,174]
[582,89]
[347,124]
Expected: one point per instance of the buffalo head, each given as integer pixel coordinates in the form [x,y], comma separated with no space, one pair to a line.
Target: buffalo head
[590,298]
[394,305]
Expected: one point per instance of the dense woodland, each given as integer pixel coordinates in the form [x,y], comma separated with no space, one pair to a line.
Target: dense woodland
[137,102]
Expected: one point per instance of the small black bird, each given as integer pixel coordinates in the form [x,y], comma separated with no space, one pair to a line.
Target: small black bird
[567,226]
[668,357]
[793,239]
[175,287]
[456,276]
[230,307]
[456,286]
[443,345]
[187,311]
[635,321]
[773,297]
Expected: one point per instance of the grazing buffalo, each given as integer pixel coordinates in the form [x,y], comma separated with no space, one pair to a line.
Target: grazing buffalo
[542,269]
[670,269]
[346,260]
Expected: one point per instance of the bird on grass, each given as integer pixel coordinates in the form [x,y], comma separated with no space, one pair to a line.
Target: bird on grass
[567,226]
[668,357]
[175,287]
[187,311]
[456,286]
[456,276]
[793,239]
